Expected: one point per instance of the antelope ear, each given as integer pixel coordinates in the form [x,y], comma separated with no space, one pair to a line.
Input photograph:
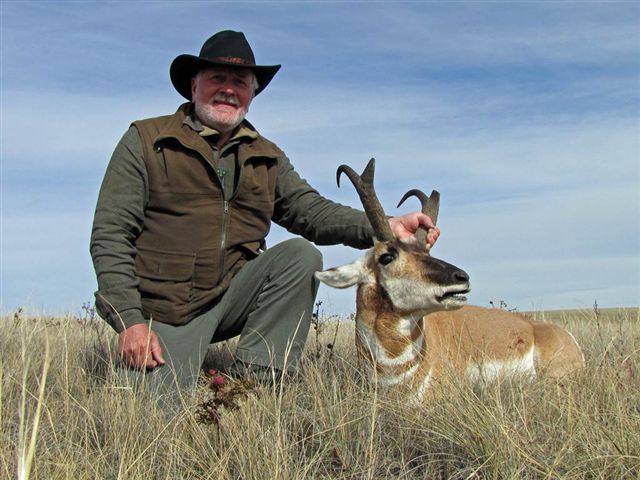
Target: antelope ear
[345,275]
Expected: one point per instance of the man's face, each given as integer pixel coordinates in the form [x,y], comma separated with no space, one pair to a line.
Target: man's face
[222,96]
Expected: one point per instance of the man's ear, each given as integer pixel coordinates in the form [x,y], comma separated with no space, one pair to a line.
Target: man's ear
[345,275]
[193,85]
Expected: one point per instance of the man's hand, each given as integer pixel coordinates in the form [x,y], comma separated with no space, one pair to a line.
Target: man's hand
[139,347]
[407,225]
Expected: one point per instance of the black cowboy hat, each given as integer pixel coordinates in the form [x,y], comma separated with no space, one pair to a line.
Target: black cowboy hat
[227,48]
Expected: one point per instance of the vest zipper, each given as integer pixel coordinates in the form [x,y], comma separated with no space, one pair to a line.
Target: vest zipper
[223,240]
[225,219]
[221,174]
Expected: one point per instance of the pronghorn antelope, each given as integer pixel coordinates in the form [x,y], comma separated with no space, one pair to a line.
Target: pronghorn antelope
[411,320]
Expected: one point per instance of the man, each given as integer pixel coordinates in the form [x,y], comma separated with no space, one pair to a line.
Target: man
[178,235]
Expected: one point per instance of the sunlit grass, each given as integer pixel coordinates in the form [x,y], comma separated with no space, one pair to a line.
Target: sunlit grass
[64,414]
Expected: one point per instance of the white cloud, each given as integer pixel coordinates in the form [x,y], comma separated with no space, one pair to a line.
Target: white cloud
[52,129]
[444,139]
[478,35]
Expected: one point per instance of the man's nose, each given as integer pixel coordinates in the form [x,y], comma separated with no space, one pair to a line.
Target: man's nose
[229,92]
[228,87]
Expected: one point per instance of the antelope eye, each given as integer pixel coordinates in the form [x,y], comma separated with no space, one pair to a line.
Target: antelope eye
[386,258]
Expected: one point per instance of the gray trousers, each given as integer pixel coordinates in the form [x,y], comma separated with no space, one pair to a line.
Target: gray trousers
[268,304]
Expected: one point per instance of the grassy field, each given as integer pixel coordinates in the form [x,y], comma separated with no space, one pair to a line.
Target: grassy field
[63,414]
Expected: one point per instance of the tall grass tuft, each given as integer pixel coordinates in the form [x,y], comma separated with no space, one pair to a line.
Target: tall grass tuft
[65,413]
[26,448]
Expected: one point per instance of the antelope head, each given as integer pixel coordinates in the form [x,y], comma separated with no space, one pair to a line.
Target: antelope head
[399,276]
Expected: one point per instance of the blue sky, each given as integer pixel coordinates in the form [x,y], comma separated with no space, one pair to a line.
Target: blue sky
[525,116]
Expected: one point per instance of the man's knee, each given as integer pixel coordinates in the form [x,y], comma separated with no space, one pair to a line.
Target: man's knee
[303,253]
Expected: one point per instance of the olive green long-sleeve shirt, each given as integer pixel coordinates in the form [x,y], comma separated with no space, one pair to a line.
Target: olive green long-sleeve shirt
[120,214]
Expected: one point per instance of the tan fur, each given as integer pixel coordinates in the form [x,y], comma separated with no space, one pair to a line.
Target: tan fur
[475,334]
[558,353]
[475,338]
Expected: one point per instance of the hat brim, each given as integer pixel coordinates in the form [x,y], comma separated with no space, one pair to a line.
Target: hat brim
[184,68]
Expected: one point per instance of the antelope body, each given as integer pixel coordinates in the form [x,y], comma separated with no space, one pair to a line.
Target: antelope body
[412,322]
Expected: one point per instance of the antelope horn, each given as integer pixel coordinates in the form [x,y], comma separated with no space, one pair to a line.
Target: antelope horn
[364,186]
[430,206]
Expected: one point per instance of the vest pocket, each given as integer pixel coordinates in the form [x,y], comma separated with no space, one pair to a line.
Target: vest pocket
[166,279]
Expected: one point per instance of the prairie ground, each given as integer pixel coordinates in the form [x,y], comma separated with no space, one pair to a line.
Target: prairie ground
[65,415]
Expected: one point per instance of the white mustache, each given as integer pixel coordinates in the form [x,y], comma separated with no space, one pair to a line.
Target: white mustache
[221,97]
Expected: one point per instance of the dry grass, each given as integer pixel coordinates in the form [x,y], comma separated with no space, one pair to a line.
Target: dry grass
[329,424]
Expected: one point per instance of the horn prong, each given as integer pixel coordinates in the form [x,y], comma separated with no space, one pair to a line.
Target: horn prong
[364,186]
[369,172]
[430,206]
[430,203]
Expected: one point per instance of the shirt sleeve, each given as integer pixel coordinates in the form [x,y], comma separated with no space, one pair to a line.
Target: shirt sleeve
[302,210]
[117,223]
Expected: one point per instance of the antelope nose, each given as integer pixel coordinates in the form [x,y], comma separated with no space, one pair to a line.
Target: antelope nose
[460,276]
